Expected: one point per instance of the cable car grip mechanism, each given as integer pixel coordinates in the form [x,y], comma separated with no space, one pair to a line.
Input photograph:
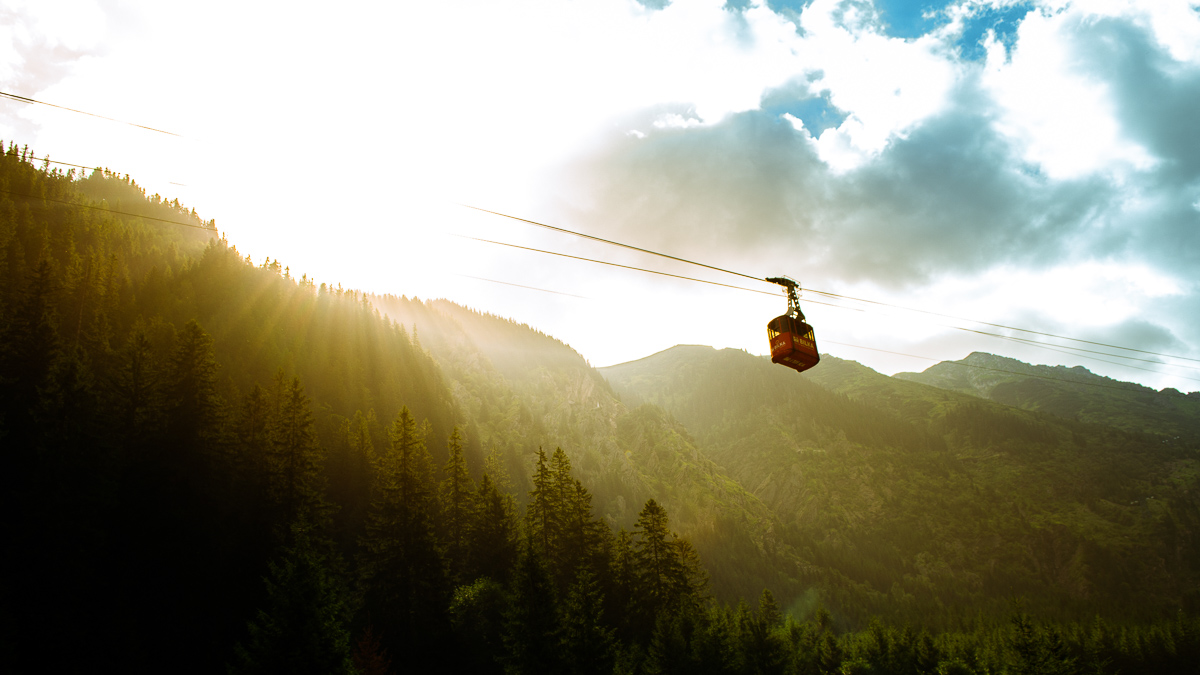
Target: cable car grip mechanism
[791,285]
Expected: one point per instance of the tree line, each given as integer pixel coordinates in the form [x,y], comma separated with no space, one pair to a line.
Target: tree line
[209,465]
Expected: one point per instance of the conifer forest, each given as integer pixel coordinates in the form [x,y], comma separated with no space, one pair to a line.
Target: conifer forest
[212,464]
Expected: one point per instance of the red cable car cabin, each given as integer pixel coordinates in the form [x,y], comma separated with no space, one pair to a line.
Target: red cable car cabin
[793,343]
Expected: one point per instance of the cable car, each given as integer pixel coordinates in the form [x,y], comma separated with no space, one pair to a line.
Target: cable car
[793,343]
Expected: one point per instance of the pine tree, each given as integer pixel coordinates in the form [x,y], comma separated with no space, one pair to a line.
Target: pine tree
[1036,650]
[1098,648]
[362,448]
[68,412]
[762,649]
[653,552]
[28,350]
[543,506]
[667,568]
[587,641]
[253,439]
[691,582]
[303,628]
[404,584]
[1056,657]
[297,484]
[494,465]
[621,594]
[192,405]
[493,534]
[829,654]
[532,629]
[457,501]
[670,648]
[925,653]
[350,466]
[252,475]
[134,390]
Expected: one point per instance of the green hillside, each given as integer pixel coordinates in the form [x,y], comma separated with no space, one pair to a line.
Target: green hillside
[1070,393]
[907,500]
[144,365]
[522,390]
[212,465]
[180,423]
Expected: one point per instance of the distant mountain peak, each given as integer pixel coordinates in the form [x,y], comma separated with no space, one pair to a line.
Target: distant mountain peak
[1073,392]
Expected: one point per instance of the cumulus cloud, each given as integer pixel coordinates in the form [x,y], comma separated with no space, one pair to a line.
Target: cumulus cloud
[911,149]
[1155,98]
[975,173]
[952,195]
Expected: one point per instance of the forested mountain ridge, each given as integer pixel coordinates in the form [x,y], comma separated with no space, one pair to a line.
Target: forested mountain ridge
[209,464]
[908,498]
[179,422]
[145,365]
[521,390]
[1071,393]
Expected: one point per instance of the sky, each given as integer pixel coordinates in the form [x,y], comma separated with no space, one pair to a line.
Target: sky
[1028,164]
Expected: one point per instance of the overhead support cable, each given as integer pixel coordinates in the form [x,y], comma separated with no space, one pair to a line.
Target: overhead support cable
[532,288]
[119,213]
[998,325]
[995,370]
[614,243]
[612,264]
[846,297]
[26,99]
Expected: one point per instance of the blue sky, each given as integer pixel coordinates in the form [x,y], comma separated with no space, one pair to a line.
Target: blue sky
[1023,163]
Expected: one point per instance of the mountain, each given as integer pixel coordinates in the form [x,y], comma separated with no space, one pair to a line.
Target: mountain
[905,499]
[521,390]
[1071,393]
[179,422]
[213,464]
[144,365]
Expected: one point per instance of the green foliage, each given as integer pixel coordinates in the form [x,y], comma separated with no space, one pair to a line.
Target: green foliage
[457,497]
[295,481]
[161,456]
[191,400]
[587,640]
[477,614]
[668,575]
[532,628]
[121,339]
[923,505]
[1070,393]
[303,628]
[404,580]
[492,536]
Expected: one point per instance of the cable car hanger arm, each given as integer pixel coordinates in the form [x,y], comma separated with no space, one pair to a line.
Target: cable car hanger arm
[790,285]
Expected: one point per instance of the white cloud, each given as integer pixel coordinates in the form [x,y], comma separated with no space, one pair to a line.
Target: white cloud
[1083,294]
[1064,120]
[836,147]
[886,85]
[676,121]
[339,138]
